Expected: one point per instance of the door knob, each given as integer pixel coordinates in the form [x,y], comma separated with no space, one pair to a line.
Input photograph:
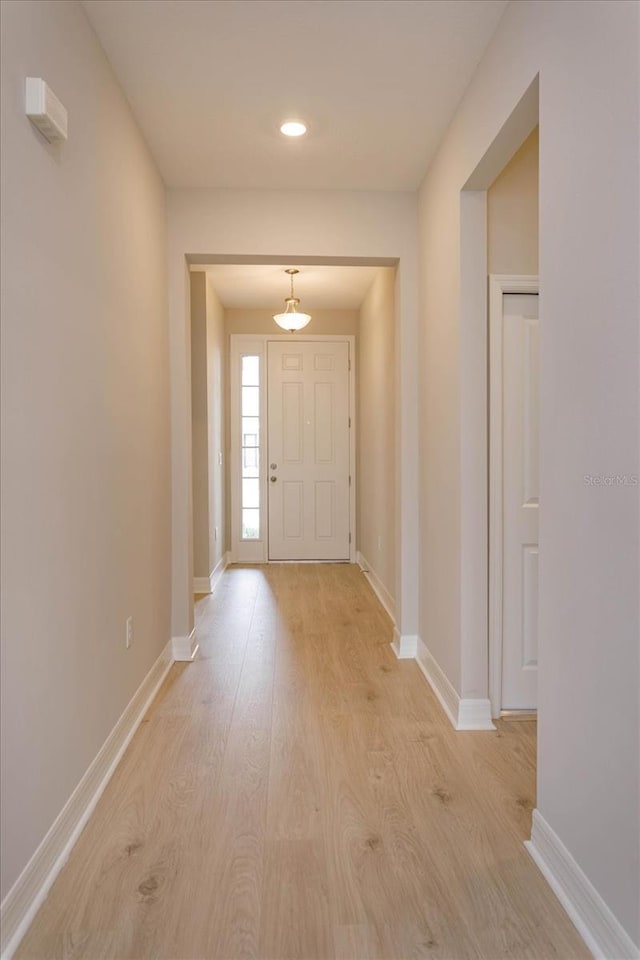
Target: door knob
[273,466]
[273,479]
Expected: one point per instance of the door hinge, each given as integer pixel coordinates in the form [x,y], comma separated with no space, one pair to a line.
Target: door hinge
[349,538]
[349,422]
[349,479]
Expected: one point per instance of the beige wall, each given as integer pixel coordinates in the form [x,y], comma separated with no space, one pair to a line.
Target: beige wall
[200,426]
[216,392]
[323,322]
[376,432]
[236,320]
[512,213]
[586,55]
[86,503]
[207,425]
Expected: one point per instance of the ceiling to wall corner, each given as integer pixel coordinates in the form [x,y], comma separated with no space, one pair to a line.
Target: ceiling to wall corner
[264,286]
[377,82]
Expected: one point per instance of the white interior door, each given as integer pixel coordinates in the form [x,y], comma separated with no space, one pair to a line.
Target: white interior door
[520,354]
[308,450]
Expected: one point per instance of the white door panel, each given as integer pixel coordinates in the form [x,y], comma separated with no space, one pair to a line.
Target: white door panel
[520,377]
[308,413]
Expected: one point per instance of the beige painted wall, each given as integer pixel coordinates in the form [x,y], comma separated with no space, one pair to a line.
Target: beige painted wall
[216,393]
[323,322]
[376,536]
[207,424]
[586,55]
[86,536]
[200,426]
[512,213]
[237,320]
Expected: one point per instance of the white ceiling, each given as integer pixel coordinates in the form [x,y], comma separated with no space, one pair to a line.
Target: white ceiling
[376,80]
[264,286]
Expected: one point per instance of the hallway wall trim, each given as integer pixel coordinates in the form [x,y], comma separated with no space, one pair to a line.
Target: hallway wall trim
[601,931]
[377,586]
[185,648]
[32,886]
[463,712]
[405,647]
[208,584]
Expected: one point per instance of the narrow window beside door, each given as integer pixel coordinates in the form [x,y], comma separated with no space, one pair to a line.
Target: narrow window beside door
[250,446]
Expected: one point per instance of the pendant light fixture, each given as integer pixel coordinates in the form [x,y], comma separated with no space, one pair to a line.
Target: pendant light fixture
[292,319]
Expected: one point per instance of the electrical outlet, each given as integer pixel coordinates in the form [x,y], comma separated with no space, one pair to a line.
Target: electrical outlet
[129,632]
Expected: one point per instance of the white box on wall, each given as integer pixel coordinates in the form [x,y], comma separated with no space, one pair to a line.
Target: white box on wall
[45,110]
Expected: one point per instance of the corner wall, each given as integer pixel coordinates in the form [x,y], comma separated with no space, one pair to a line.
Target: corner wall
[377,454]
[208,401]
[86,537]
[199,427]
[217,369]
[512,213]
[586,55]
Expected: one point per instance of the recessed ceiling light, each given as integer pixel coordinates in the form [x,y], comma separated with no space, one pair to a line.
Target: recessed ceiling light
[293,128]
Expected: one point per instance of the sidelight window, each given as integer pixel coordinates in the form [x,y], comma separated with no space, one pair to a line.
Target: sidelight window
[250,447]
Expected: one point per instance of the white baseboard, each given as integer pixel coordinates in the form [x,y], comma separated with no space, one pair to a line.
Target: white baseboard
[439,682]
[185,648]
[32,886]
[474,714]
[208,584]
[464,713]
[377,586]
[404,646]
[218,570]
[602,932]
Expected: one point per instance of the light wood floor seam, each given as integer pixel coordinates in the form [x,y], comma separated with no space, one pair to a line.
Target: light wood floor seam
[297,793]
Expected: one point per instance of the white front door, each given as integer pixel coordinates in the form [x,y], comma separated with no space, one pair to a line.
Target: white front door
[520,355]
[308,450]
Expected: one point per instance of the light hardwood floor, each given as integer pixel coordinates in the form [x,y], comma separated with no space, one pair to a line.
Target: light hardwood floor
[298,793]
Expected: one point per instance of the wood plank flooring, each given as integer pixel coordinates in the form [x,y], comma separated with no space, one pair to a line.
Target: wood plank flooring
[297,793]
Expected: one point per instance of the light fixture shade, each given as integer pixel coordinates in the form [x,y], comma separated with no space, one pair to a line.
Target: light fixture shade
[292,320]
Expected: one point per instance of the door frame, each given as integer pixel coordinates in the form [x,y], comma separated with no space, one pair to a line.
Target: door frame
[499,285]
[257,551]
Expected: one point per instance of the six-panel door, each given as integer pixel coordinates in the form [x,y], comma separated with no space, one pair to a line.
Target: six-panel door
[308,456]
[520,501]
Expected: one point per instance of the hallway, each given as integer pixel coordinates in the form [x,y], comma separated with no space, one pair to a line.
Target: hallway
[297,792]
